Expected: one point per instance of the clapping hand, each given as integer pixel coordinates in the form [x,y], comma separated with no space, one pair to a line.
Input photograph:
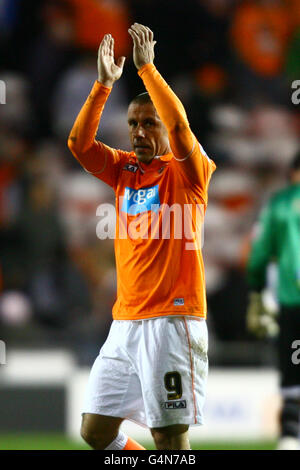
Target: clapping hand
[143,45]
[108,70]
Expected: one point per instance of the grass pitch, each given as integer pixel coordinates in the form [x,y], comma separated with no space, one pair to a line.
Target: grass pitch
[61,442]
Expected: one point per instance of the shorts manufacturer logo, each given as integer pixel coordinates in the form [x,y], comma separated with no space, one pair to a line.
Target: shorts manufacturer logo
[179,301]
[175,405]
[130,167]
[136,201]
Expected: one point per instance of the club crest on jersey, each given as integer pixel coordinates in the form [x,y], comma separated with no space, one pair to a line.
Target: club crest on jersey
[136,201]
[130,167]
[179,301]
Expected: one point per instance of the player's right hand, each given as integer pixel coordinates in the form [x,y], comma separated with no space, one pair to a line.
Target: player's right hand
[259,320]
[108,70]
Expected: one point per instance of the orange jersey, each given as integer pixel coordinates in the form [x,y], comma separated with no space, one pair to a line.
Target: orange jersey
[158,254]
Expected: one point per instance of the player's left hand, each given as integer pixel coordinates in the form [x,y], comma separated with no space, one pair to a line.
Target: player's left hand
[260,321]
[143,45]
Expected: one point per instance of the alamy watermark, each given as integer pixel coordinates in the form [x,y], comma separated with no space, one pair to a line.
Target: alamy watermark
[2,92]
[2,353]
[296,354]
[296,93]
[140,219]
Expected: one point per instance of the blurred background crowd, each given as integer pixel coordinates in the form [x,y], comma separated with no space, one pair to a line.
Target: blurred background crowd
[231,62]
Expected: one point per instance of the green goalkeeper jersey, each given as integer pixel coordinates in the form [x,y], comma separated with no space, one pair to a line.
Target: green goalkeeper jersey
[277,238]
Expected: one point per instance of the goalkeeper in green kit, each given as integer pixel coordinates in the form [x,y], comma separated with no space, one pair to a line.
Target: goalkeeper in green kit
[278,239]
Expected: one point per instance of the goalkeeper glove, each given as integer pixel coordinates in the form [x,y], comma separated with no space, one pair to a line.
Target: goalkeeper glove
[260,321]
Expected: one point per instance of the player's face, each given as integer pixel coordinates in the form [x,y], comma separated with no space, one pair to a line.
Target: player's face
[148,135]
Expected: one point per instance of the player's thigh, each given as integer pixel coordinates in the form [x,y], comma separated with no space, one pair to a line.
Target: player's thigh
[94,426]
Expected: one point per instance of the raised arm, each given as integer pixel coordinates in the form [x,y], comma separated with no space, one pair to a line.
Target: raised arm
[194,162]
[93,155]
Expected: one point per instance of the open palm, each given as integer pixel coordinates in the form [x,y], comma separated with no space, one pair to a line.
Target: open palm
[108,70]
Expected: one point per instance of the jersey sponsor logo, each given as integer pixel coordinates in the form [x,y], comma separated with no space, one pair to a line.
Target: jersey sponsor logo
[179,301]
[136,201]
[175,405]
[130,167]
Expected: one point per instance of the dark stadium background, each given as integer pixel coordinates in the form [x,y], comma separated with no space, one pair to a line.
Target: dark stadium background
[232,63]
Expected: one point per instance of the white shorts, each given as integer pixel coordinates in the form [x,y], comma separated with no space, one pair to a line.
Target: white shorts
[152,372]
